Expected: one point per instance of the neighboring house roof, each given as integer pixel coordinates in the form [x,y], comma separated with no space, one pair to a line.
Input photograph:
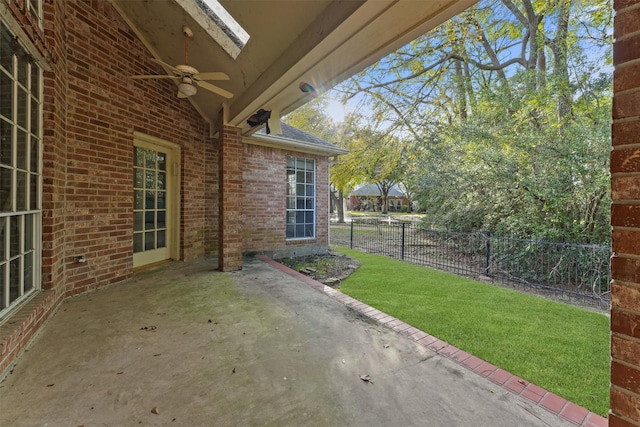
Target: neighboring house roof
[368,189]
[296,140]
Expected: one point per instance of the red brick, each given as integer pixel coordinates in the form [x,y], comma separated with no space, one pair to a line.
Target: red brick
[625,215]
[427,340]
[574,413]
[626,22]
[448,350]
[625,241]
[531,395]
[625,350]
[625,377]
[437,345]
[418,335]
[626,78]
[615,421]
[619,5]
[624,404]
[500,376]
[460,356]
[485,369]
[626,50]
[625,269]
[625,160]
[625,297]
[401,327]
[515,384]
[472,362]
[553,402]
[626,104]
[625,323]
[625,188]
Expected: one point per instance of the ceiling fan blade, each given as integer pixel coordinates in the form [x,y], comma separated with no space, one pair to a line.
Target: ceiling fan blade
[155,76]
[211,76]
[182,95]
[173,69]
[214,89]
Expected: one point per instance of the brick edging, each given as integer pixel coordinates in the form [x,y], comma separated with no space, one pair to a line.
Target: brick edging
[537,395]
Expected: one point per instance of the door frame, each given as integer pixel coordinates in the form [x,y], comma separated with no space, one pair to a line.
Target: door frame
[173,193]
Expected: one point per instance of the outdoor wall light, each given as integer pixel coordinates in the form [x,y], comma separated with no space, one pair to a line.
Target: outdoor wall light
[306,87]
[260,117]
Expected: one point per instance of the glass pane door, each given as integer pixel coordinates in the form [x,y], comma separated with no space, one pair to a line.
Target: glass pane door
[151,229]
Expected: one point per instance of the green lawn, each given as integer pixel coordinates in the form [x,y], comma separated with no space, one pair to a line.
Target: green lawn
[561,348]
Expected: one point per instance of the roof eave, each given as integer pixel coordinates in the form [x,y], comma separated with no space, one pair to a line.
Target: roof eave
[293,145]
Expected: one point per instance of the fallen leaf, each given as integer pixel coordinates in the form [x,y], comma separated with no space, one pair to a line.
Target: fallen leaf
[234,371]
[366,378]
[155,410]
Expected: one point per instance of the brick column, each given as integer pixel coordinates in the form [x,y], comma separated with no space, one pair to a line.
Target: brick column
[625,218]
[230,198]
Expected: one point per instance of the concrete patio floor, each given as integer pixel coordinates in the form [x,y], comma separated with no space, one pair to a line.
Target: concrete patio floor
[190,346]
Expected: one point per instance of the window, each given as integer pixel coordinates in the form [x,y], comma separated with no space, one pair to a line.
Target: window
[218,23]
[301,198]
[20,171]
[35,8]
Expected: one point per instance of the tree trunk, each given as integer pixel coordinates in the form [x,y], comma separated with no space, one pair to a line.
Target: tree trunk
[461,91]
[340,207]
[559,47]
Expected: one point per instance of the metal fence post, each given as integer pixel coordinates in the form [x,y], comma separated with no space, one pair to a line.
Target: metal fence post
[402,250]
[351,235]
[487,264]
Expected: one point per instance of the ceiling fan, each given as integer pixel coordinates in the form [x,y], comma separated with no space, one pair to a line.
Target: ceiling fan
[188,77]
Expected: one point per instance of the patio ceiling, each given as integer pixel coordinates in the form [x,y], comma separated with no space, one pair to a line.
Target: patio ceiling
[320,42]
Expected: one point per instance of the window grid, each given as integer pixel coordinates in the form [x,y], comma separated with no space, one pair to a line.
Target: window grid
[35,8]
[150,200]
[20,170]
[301,198]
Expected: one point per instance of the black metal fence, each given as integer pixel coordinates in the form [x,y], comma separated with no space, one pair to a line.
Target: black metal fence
[569,269]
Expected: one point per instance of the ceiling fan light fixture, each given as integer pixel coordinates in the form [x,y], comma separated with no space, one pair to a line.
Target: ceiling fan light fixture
[187,89]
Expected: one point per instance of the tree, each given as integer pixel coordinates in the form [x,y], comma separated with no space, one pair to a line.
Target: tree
[510,109]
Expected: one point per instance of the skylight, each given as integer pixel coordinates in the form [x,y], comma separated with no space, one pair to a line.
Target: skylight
[219,23]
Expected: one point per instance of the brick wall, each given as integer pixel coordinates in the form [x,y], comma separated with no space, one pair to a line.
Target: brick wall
[105,107]
[230,199]
[625,218]
[264,203]
[91,110]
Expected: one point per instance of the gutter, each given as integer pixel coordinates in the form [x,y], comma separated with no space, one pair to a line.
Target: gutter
[293,145]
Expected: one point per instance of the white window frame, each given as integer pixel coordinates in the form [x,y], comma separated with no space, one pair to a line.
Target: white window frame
[300,206]
[172,250]
[23,213]
[35,9]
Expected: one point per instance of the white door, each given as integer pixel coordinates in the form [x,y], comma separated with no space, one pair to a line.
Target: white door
[155,200]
